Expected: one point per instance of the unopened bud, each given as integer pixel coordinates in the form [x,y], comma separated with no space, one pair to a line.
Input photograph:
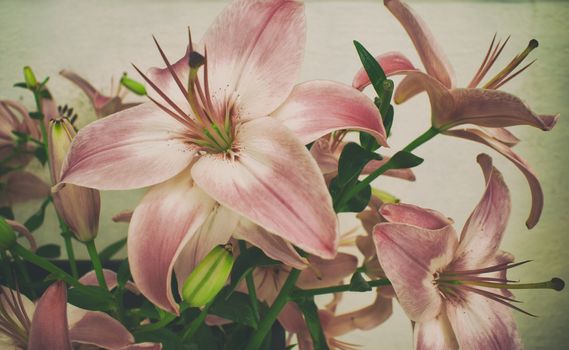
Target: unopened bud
[30,77]
[7,235]
[209,277]
[79,207]
[133,85]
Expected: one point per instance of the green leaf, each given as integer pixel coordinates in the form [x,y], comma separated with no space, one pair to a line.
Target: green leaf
[312,319]
[36,220]
[373,69]
[404,160]
[166,337]
[133,85]
[21,85]
[40,155]
[91,298]
[356,204]
[107,253]
[351,163]
[358,283]
[236,308]
[245,262]
[388,120]
[36,115]
[368,142]
[123,274]
[7,213]
[49,251]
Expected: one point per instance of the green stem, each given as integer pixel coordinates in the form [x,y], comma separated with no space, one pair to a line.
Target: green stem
[7,269]
[158,325]
[196,323]
[42,123]
[279,303]
[251,287]
[70,254]
[96,263]
[45,264]
[25,275]
[426,136]
[303,293]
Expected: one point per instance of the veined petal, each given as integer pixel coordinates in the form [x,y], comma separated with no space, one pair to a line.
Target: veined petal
[503,135]
[137,147]
[480,323]
[217,229]
[531,177]
[49,323]
[492,108]
[161,225]
[410,256]
[321,152]
[274,246]
[273,181]
[164,80]
[254,53]
[90,279]
[390,62]
[484,229]
[22,186]
[324,273]
[435,334]
[415,216]
[365,319]
[79,207]
[318,107]
[429,51]
[97,328]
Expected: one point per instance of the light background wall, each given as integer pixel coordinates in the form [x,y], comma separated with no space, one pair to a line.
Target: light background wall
[99,40]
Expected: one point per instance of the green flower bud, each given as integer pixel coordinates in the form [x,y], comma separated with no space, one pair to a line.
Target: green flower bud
[7,235]
[385,197]
[30,77]
[209,277]
[133,85]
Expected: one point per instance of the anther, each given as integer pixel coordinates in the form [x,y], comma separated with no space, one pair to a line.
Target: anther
[196,60]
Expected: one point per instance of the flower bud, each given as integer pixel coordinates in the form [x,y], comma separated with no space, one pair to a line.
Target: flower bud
[30,77]
[7,235]
[209,277]
[78,206]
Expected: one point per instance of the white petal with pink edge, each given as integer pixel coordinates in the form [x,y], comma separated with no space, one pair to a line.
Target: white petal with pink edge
[272,180]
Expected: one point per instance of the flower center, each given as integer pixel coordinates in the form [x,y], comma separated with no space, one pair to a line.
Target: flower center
[207,127]
[453,284]
[14,321]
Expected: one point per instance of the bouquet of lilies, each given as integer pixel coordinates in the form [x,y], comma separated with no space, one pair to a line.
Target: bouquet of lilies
[237,237]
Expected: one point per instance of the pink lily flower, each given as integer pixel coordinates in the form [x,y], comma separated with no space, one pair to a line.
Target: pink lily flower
[454,289]
[14,117]
[223,138]
[53,324]
[21,186]
[486,107]
[104,105]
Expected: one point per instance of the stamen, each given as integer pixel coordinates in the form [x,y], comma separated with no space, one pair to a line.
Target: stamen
[498,267]
[493,57]
[514,74]
[161,93]
[553,284]
[503,74]
[170,68]
[499,299]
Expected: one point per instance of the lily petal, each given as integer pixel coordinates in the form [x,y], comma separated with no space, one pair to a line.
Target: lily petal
[137,147]
[318,107]
[24,232]
[415,216]
[90,279]
[531,177]
[480,323]
[273,181]
[254,53]
[435,334]
[325,273]
[431,54]
[272,245]
[161,225]
[492,108]
[503,135]
[97,99]
[404,174]
[484,229]
[322,153]
[217,229]
[22,186]
[410,256]
[97,328]
[49,324]
[391,63]
[365,319]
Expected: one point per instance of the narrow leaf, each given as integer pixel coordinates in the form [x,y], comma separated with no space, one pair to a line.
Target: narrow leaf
[372,68]
[107,253]
[49,251]
[312,319]
[404,160]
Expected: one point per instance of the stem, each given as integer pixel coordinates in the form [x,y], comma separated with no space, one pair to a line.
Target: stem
[426,136]
[42,124]
[158,325]
[70,254]
[251,286]
[196,323]
[303,293]
[7,269]
[25,275]
[45,264]
[281,300]
[96,263]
